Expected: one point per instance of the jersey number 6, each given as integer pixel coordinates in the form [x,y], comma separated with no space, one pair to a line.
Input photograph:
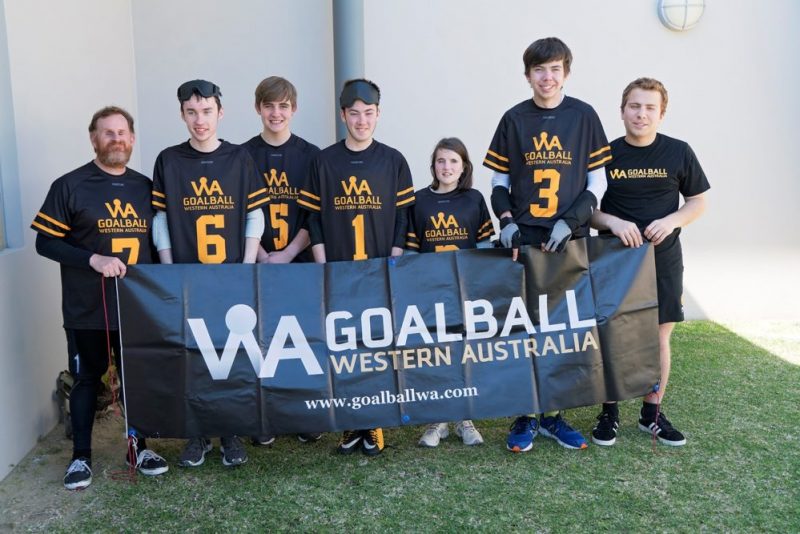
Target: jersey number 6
[206,241]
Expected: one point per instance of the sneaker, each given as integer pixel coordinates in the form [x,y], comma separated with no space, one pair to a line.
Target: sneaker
[372,441]
[79,474]
[556,428]
[147,462]
[309,437]
[663,430]
[433,434]
[194,453]
[605,432]
[468,433]
[521,435]
[263,441]
[233,452]
[349,442]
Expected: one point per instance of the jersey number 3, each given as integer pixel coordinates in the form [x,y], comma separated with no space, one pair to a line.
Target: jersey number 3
[547,194]
[206,242]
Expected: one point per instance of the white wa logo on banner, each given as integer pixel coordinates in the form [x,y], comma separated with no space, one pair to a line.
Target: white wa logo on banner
[241,320]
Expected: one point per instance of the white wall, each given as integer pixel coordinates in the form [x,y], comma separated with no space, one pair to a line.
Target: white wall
[452,67]
[66,60]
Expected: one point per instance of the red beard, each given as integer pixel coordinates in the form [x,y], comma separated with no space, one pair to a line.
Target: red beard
[116,154]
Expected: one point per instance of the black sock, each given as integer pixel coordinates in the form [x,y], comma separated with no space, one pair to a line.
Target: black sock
[82,453]
[649,410]
[611,408]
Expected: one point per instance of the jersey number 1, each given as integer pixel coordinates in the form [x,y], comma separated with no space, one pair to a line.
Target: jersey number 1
[549,194]
[361,248]
[206,241]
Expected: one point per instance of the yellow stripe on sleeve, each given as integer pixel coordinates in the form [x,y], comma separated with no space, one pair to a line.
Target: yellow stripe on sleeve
[51,220]
[48,230]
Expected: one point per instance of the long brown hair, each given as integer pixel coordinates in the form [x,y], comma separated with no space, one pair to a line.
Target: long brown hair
[456,145]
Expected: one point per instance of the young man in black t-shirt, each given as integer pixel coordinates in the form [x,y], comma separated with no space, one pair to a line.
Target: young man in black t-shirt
[95,221]
[357,195]
[208,197]
[547,155]
[282,159]
[649,173]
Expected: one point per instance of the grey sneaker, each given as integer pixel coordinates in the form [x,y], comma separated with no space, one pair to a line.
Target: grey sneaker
[194,453]
[433,434]
[468,433]
[232,450]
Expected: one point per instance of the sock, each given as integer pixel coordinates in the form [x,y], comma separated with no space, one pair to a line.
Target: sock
[82,453]
[611,408]
[550,414]
[649,410]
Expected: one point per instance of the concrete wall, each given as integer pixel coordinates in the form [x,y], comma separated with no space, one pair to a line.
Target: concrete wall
[449,67]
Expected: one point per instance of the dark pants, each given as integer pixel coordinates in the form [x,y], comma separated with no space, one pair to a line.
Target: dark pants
[88,362]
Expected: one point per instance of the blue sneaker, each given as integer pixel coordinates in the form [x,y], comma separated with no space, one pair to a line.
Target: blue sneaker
[524,429]
[558,429]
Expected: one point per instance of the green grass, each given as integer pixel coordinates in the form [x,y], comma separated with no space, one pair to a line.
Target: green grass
[738,405]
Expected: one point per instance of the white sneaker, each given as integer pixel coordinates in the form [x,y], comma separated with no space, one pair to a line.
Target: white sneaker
[468,433]
[433,434]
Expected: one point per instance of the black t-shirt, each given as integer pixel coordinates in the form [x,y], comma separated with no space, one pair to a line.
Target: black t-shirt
[357,195]
[104,214]
[645,183]
[207,196]
[547,154]
[284,169]
[448,221]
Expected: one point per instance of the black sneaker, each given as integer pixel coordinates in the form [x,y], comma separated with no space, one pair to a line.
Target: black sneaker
[194,453]
[309,437]
[233,452]
[79,474]
[605,432]
[663,430]
[349,442]
[147,462]
[263,441]
[372,441]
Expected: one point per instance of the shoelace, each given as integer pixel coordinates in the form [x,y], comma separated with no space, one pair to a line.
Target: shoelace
[145,455]
[467,425]
[663,423]
[78,465]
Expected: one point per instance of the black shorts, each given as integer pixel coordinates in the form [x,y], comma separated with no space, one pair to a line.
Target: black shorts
[669,280]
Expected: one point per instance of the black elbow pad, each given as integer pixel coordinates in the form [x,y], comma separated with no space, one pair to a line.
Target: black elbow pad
[581,210]
[501,200]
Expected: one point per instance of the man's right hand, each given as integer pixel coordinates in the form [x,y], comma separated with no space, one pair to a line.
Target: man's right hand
[108,266]
[627,231]
[509,235]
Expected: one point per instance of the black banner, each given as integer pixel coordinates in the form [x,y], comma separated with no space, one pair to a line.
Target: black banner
[271,349]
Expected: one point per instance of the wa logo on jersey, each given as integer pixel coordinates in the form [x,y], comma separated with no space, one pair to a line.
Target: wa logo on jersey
[116,209]
[625,174]
[547,150]
[440,221]
[543,143]
[208,195]
[278,186]
[445,228]
[357,195]
[122,218]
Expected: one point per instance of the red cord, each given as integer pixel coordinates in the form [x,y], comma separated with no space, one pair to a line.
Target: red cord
[129,474]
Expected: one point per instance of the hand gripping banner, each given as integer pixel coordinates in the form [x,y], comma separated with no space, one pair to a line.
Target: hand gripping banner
[215,350]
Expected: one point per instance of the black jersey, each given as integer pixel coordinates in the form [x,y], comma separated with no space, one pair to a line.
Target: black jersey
[102,213]
[547,154]
[645,183]
[207,196]
[448,221]
[285,169]
[357,195]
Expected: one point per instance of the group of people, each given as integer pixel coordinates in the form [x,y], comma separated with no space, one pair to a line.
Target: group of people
[278,199]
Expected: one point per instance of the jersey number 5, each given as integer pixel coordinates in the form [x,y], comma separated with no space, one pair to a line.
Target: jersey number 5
[276,212]
[206,241]
[548,194]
